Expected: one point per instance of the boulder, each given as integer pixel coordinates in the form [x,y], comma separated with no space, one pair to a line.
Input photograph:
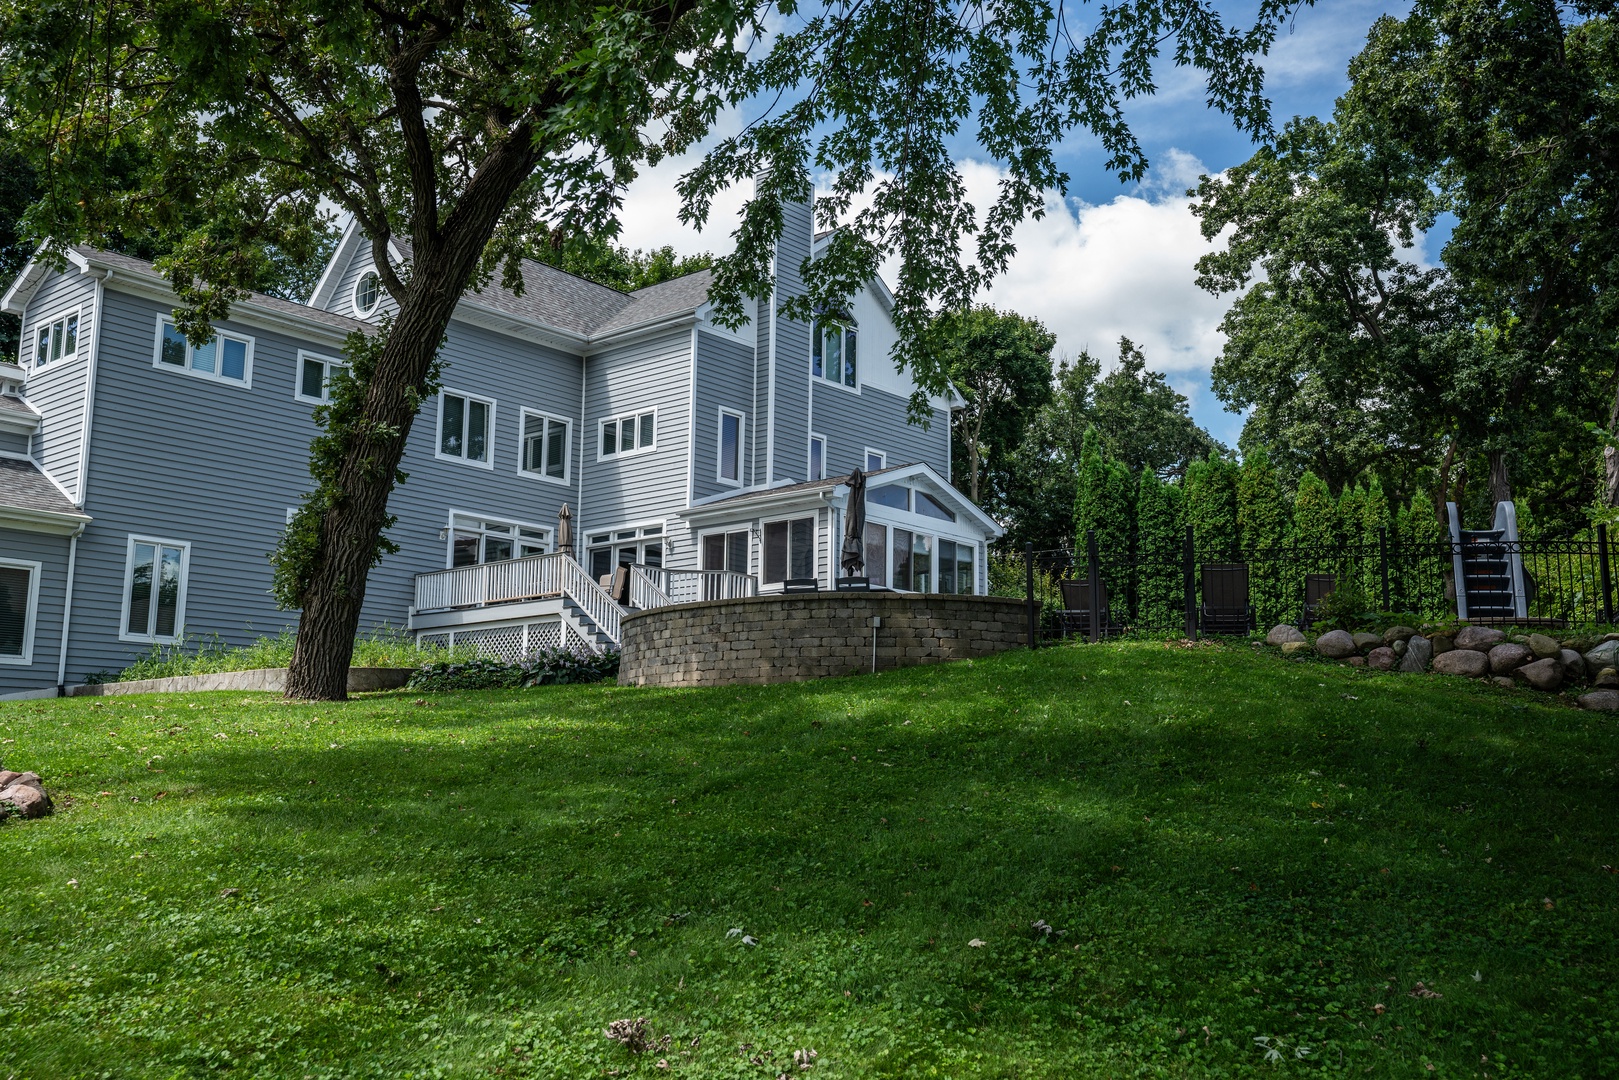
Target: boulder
[1607,677]
[1381,659]
[1398,633]
[1399,646]
[1462,662]
[1503,681]
[6,777]
[1418,651]
[1602,656]
[1442,643]
[1479,638]
[1605,700]
[1282,634]
[1544,647]
[1355,661]
[1573,665]
[1293,648]
[1365,642]
[1335,645]
[1544,674]
[1506,658]
[30,801]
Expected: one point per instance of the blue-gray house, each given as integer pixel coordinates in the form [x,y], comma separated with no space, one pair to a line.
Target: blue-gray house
[144,478]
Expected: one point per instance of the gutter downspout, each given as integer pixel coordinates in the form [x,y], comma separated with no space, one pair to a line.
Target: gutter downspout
[88,414]
[67,614]
[579,508]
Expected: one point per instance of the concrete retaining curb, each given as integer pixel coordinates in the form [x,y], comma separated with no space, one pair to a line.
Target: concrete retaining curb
[270,679]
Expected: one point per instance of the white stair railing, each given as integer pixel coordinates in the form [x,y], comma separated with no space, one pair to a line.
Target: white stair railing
[646,591]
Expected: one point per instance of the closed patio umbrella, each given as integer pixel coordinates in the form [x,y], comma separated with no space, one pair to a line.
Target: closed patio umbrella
[565,530]
[854,526]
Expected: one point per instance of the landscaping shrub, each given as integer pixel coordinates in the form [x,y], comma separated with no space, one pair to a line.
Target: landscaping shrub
[542,667]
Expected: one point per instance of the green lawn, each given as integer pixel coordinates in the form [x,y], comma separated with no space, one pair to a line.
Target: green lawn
[1229,846]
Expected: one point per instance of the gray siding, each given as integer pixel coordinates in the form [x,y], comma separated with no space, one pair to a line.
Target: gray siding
[342,295]
[51,553]
[791,364]
[13,442]
[182,458]
[877,419]
[653,373]
[57,390]
[724,379]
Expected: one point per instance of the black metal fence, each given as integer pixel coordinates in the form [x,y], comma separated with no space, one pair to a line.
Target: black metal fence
[1196,591]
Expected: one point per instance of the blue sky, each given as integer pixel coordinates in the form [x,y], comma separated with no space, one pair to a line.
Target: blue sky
[1116,259]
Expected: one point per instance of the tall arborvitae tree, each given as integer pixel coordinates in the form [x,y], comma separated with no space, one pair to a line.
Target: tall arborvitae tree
[1375,520]
[1103,502]
[1160,546]
[1211,508]
[1420,544]
[1263,519]
[1315,518]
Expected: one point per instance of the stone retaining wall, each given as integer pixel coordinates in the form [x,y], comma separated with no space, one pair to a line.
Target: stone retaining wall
[272,679]
[770,639]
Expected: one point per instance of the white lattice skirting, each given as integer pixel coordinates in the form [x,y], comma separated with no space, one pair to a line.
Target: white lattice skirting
[510,641]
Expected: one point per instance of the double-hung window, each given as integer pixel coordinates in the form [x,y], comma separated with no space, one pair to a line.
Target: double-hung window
[225,357]
[834,350]
[629,434]
[19,604]
[726,551]
[730,448]
[315,375]
[544,453]
[57,339]
[464,426]
[155,589]
[476,540]
[789,550]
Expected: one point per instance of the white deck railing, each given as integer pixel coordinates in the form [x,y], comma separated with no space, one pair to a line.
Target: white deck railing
[645,591]
[685,586]
[533,578]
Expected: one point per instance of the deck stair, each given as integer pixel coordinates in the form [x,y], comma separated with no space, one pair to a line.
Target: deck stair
[1488,565]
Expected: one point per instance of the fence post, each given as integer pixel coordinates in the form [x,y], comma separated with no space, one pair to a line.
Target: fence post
[1383,561]
[1190,569]
[1602,567]
[1096,585]
[1028,589]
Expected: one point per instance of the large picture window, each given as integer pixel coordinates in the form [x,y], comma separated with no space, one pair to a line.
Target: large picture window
[225,358]
[629,434]
[789,550]
[464,424]
[476,540]
[545,446]
[19,602]
[57,339]
[155,589]
[834,350]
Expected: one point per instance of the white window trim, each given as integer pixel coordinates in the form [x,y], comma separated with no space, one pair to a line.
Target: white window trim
[354,295]
[480,516]
[823,380]
[719,446]
[866,455]
[298,376]
[619,419]
[567,451]
[814,515]
[30,612]
[28,347]
[755,548]
[891,519]
[179,602]
[244,383]
[489,436]
[809,456]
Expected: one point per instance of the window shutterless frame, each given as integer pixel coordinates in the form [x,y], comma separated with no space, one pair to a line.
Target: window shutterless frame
[544,446]
[788,548]
[728,449]
[54,339]
[312,380]
[875,459]
[465,431]
[367,294]
[817,457]
[227,359]
[627,433]
[155,578]
[19,610]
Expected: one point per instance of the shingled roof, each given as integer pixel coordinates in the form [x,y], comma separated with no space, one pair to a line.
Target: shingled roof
[24,487]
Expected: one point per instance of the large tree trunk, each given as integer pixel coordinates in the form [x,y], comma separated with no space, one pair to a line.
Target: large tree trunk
[442,267]
[1500,478]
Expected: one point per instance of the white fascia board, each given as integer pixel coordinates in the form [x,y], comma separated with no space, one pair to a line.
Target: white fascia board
[680,320]
[342,254]
[738,509]
[47,522]
[19,424]
[27,283]
[153,287]
[938,485]
[504,322]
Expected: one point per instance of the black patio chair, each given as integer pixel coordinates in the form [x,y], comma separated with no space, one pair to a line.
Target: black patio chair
[1317,587]
[1226,608]
[801,584]
[1076,606]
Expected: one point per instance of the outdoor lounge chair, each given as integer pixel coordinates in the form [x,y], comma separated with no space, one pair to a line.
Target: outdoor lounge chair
[854,584]
[1317,587]
[801,584]
[1226,608]
[1076,606]
[621,585]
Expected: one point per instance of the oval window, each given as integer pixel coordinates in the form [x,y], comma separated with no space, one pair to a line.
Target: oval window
[367,291]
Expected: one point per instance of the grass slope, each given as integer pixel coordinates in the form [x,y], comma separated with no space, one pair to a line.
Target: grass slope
[1233,847]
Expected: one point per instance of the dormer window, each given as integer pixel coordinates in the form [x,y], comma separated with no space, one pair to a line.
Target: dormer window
[835,349]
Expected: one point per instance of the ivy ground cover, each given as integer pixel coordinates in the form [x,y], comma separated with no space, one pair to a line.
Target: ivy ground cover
[1129,859]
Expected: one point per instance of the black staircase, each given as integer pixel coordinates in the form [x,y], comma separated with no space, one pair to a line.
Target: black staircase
[1487,575]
